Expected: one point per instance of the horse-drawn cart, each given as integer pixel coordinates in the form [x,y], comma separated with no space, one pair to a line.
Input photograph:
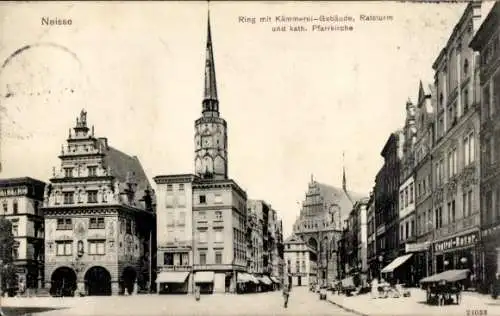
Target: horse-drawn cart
[442,287]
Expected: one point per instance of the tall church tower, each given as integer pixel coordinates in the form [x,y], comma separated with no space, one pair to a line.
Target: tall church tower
[210,129]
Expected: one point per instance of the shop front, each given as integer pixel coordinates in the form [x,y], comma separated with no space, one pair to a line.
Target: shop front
[458,252]
[205,281]
[173,282]
[490,254]
[421,265]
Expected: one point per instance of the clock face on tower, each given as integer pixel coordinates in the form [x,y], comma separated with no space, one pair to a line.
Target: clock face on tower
[206,141]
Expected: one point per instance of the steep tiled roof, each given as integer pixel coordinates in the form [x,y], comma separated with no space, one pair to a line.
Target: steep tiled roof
[332,195]
[123,167]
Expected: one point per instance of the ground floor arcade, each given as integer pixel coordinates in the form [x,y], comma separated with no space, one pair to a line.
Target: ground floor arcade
[94,281]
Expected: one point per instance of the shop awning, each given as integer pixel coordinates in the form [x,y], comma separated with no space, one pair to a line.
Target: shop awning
[204,277]
[267,280]
[274,280]
[172,277]
[253,279]
[348,282]
[244,277]
[396,263]
[449,276]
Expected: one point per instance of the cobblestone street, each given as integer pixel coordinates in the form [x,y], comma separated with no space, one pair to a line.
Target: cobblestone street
[302,302]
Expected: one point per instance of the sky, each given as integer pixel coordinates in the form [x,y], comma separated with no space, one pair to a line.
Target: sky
[293,101]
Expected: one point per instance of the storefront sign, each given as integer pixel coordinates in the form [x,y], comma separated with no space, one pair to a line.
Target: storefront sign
[416,247]
[457,242]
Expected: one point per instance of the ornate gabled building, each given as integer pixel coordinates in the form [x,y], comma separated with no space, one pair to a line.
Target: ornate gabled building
[324,210]
[209,229]
[99,219]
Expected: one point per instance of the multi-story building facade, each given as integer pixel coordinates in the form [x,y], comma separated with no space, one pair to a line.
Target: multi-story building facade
[407,232]
[256,258]
[455,154]
[174,223]
[486,42]
[279,276]
[423,182]
[300,262]
[320,224]
[275,259]
[99,219]
[354,244]
[371,239]
[217,204]
[386,200]
[360,208]
[21,200]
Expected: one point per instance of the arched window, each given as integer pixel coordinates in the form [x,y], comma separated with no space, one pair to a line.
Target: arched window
[466,67]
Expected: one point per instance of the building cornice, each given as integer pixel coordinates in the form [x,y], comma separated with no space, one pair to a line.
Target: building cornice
[81,180]
[175,178]
[220,184]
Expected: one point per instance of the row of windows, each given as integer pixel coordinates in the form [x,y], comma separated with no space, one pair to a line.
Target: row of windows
[176,259]
[407,229]
[67,223]
[203,235]
[69,197]
[69,172]
[65,247]
[202,216]
[172,187]
[94,223]
[217,257]
[452,160]
[492,206]
[425,220]
[406,196]
[15,207]
[491,98]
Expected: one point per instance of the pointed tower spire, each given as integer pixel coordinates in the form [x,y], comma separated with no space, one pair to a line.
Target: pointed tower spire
[210,101]
[344,182]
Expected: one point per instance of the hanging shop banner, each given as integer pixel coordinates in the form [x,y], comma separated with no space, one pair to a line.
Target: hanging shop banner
[457,242]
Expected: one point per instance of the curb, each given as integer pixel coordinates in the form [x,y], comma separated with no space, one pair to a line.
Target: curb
[350,310]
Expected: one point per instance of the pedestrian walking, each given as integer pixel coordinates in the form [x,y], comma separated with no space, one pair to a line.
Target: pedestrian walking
[286,294]
[197,293]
